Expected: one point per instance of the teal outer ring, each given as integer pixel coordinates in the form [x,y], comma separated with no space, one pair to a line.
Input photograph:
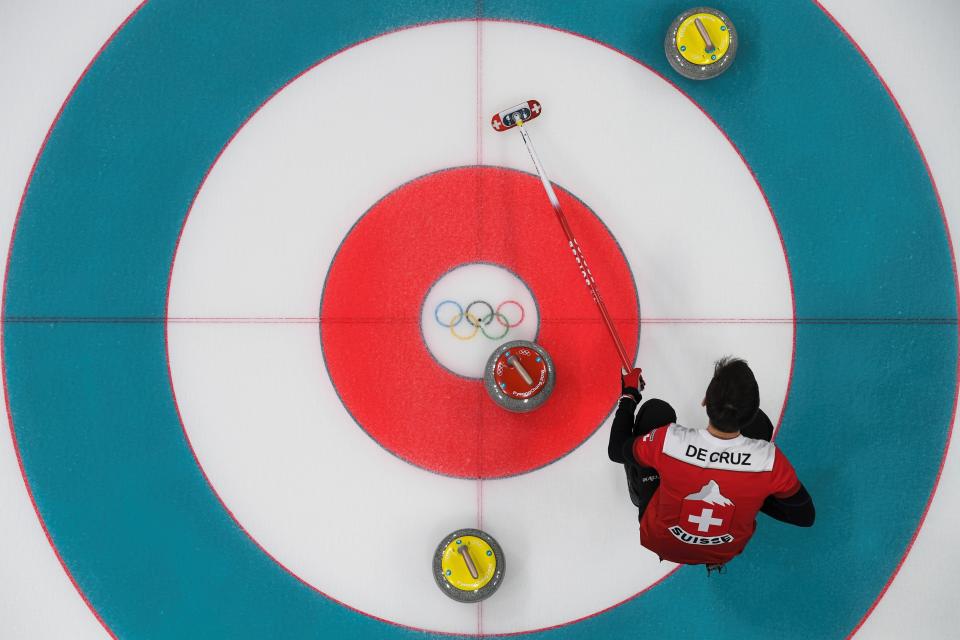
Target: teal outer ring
[130,513]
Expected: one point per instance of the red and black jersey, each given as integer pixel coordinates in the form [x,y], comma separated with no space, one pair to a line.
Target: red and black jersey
[710,492]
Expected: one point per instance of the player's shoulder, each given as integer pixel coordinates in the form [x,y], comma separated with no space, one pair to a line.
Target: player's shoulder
[764,452]
[655,435]
[679,433]
[677,437]
[757,444]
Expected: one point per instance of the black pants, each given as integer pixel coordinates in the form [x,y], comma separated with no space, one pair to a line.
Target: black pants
[643,482]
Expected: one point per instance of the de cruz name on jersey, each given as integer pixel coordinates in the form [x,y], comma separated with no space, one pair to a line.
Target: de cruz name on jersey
[724,457]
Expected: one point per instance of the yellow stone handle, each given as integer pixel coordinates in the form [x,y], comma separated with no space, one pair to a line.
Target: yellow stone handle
[703,34]
[466,558]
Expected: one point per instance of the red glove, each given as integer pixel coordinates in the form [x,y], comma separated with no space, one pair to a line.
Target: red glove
[632,384]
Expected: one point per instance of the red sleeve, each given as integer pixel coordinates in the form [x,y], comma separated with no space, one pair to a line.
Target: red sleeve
[647,449]
[784,482]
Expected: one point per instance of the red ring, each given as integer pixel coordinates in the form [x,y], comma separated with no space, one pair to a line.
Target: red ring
[371,310]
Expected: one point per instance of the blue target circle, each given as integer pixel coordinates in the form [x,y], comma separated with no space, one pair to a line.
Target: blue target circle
[130,513]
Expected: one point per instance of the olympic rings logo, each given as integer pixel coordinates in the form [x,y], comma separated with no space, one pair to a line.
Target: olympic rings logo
[451,314]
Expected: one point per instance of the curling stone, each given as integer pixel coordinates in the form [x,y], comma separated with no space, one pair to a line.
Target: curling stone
[519,376]
[701,43]
[468,565]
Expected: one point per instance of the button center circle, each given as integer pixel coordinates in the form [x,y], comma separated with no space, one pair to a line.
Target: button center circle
[473,309]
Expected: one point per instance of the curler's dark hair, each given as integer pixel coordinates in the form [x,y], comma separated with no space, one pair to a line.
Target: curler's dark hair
[733,397]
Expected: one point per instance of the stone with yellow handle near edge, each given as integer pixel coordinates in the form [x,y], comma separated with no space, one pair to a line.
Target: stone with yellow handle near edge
[695,56]
[452,571]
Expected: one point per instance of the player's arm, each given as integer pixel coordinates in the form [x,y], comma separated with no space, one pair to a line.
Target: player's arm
[621,432]
[796,509]
[789,500]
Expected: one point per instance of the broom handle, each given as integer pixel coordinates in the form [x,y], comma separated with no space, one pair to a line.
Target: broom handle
[625,363]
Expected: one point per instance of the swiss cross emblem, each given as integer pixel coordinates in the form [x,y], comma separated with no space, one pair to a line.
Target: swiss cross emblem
[705,517]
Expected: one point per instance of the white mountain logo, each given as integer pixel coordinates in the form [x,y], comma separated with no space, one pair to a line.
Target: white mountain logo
[710,493]
[705,517]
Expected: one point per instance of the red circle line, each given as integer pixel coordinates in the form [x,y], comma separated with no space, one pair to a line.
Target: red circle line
[412,26]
